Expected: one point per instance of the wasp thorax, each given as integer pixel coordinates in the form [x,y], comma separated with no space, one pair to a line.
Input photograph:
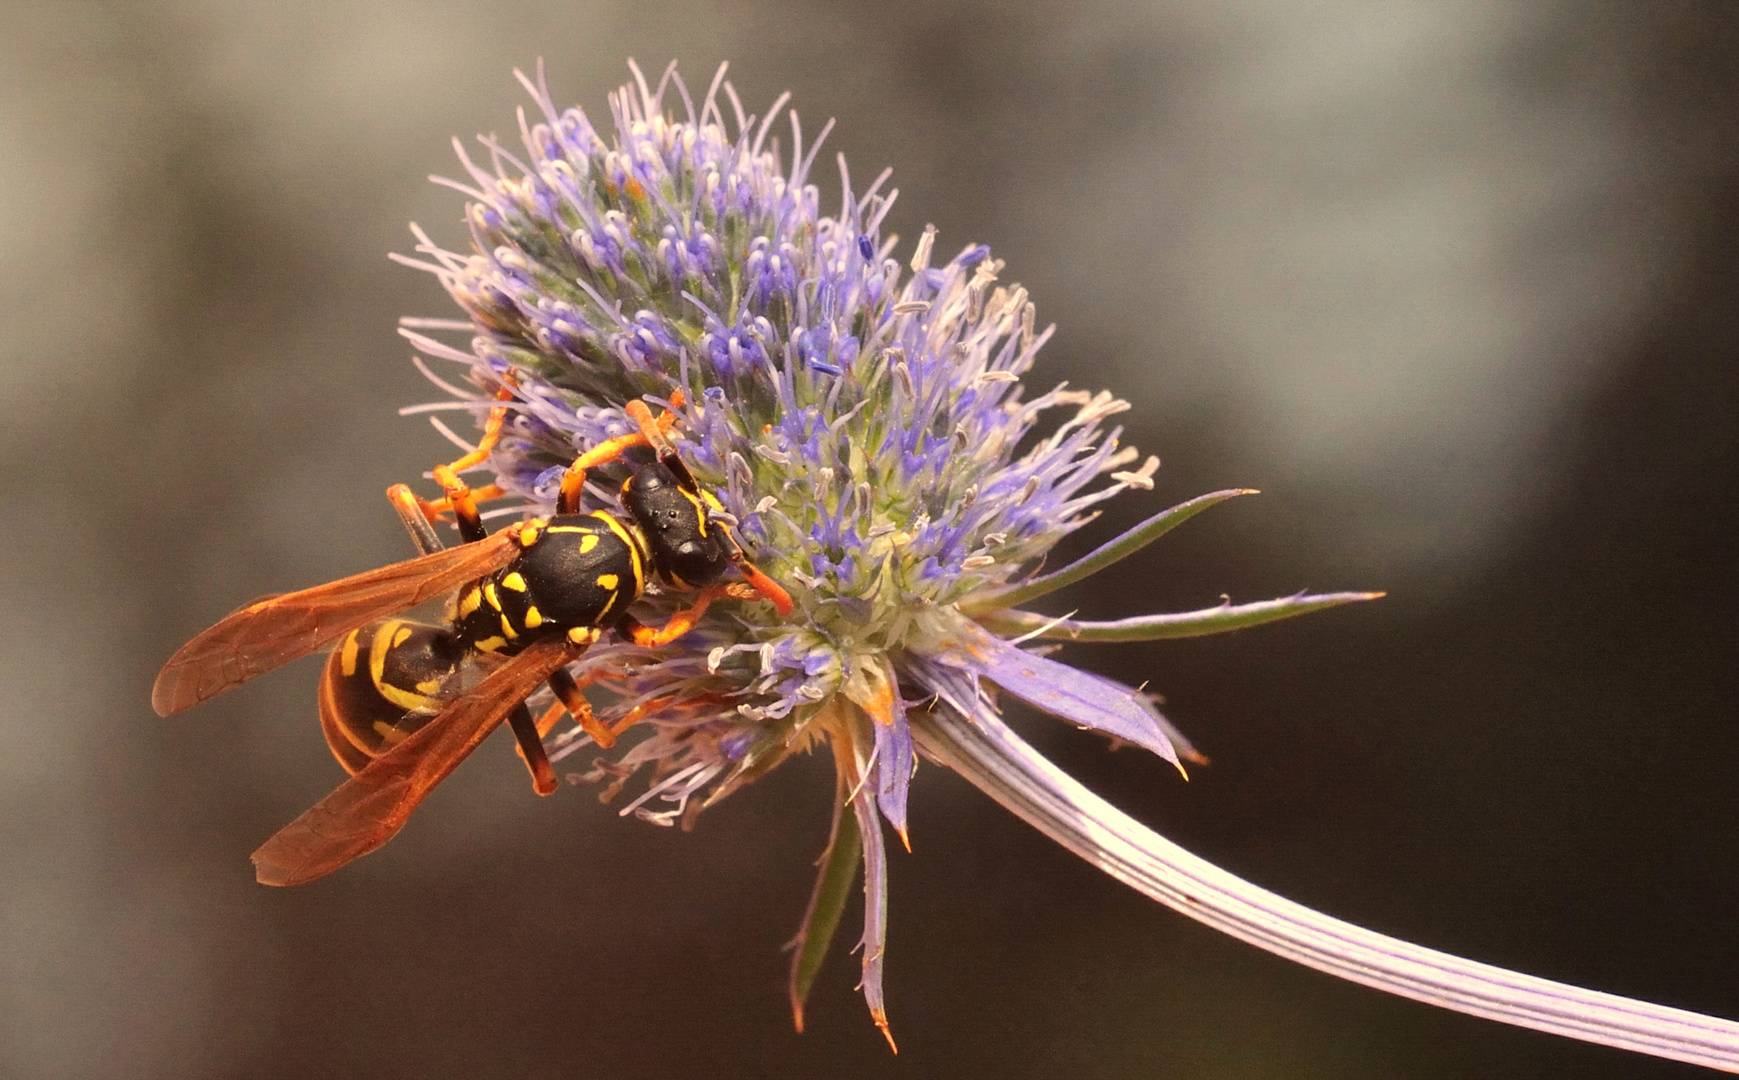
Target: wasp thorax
[583,570]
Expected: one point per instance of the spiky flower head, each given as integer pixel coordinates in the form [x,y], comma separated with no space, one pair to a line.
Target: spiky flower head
[858,411]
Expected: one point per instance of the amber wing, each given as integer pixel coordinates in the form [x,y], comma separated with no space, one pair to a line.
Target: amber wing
[369,808]
[270,632]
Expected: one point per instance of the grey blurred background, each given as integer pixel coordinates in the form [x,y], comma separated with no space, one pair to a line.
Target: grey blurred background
[1453,282]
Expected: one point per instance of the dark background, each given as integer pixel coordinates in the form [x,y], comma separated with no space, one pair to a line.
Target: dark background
[1453,283]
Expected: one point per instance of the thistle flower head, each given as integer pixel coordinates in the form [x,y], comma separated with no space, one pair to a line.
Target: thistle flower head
[857,416]
[857,411]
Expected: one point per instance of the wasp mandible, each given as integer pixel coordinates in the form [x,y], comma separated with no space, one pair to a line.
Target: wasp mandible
[528,600]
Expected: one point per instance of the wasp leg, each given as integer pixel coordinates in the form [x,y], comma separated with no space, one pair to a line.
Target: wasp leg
[543,776]
[434,508]
[459,498]
[679,623]
[570,700]
[491,429]
[568,692]
[646,708]
[657,436]
[605,735]
[547,722]
[574,480]
[652,433]
[463,503]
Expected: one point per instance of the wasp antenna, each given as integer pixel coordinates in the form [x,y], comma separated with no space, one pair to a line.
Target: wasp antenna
[763,584]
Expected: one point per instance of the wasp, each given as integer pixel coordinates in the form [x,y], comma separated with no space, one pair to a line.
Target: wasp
[526,602]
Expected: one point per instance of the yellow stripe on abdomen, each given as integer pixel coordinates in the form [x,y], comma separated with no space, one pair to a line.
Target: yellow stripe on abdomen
[389,636]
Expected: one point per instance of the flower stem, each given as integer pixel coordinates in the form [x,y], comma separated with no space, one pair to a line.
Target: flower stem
[1010,771]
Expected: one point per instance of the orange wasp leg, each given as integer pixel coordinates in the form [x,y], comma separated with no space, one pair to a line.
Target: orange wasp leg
[547,722]
[435,508]
[458,497]
[491,429]
[679,623]
[463,503]
[646,708]
[765,586]
[652,433]
[568,692]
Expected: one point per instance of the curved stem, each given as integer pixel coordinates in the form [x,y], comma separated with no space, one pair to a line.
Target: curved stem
[992,757]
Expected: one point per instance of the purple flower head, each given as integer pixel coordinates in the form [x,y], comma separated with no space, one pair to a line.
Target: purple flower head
[861,419]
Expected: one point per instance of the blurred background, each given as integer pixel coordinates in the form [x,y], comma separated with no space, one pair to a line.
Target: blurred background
[1453,283]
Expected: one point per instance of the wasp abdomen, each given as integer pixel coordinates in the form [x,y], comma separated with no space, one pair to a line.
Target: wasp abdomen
[383,681]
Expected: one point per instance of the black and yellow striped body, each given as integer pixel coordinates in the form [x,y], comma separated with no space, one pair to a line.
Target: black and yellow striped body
[382,682]
[578,573]
[575,576]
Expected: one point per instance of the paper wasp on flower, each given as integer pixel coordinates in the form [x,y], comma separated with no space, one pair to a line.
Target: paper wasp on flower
[869,421]
[530,600]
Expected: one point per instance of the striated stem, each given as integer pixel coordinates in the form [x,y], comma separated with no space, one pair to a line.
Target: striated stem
[999,762]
